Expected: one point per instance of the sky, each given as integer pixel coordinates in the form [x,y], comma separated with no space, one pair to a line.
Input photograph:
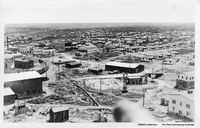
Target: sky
[98,11]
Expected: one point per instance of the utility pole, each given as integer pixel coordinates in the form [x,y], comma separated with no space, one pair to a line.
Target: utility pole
[7,44]
[100,87]
[124,84]
[144,96]
[59,69]
[46,67]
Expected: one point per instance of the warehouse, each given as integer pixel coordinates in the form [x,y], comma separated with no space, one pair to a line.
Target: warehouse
[9,96]
[29,83]
[23,63]
[124,67]
[59,114]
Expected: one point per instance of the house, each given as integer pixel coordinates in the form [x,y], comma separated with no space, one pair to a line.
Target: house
[182,103]
[9,96]
[29,82]
[24,49]
[59,114]
[169,61]
[138,79]
[95,71]
[185,80]
[174,53]
[88,48]
[124,67]
[147,59]
[158,56]
[73,65]
[23,63]
[131,49]
[164,102]
[166,54]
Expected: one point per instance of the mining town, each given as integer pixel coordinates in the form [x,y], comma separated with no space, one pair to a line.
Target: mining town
[78,75]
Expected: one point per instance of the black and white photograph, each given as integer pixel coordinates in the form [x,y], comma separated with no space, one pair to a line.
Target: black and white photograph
[99,61]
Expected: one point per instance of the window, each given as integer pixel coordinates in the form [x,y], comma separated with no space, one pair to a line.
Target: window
[180,112]
[188,113]
[186,78]
[182,77]
[173,108]
[178,76]
[28,91]
[174,101]
[33,91]
[180,103]
[39,90]
[187,106]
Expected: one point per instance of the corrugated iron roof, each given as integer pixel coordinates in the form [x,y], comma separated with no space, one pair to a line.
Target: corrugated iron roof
[59,109]
[21,76]
[119,64]
[8,91]
[185,94]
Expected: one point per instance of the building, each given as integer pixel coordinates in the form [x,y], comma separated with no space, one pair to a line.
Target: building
[185,80]
[95,71]
[9,96]
[29,83]
[147,59]
[59,114]
[169,61]
[73,65]
[88,48]
[45,52]
[138,79]
[124,67]
[182,103]
[23,63]
[60,45]
[24,49]
[164,101]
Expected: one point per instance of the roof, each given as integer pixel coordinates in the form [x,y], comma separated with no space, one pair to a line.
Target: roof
[58,109]
[184,94]
[119,64]
[24,60]
[9,56]
[191,73]
[8,91]
[21,76]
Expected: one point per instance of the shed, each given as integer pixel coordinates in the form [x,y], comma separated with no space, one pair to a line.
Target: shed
[9,96]
[164,101]
[124,67]
[59,114]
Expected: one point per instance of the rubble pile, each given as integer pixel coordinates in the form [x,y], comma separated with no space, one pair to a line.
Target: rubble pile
[105,99]
[104,84]
[57,99]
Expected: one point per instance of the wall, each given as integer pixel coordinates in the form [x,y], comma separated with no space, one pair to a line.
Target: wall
[9,99]
[125,69]
[184,84]
[25,85]
[24,65]
[61,116]
[183,108]
[183,77]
